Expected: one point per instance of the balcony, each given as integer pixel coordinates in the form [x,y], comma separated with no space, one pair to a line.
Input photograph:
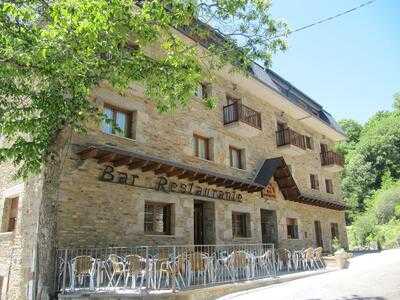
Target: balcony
[242,119]
[332,161]
[290,142]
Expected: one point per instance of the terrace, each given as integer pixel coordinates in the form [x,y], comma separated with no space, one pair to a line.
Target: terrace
[149,269]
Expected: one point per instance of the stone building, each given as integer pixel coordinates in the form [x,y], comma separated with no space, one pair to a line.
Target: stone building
[259,168]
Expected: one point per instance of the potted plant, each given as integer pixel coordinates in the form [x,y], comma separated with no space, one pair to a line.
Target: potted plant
[341,256]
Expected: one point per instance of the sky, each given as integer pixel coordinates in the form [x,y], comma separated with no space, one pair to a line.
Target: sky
[350,65]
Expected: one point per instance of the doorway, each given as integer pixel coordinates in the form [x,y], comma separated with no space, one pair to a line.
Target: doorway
[204,223]
[318,234]
[269,230]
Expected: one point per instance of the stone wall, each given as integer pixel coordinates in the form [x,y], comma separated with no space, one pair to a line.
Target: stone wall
[93,213]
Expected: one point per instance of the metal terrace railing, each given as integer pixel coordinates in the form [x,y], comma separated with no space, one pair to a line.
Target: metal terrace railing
[288,136]
[238,112]
[331,158]
[173,268]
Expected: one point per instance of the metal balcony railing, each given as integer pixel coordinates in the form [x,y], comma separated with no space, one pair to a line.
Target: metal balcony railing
[238,112]
[288,136]
[331,158]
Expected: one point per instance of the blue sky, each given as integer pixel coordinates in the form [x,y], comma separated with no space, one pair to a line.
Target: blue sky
[350,65]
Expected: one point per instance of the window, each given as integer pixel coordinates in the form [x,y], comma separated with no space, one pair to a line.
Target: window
[201,147]
[10,214]
[292,228]
[309,143]
[121,119]
[158,218]
[241,225]
[314,182]
[335,231]
[203,91]
[329,186]
[236,158]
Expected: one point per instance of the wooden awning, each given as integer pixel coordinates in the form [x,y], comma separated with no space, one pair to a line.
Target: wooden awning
[277,168]
[134,160]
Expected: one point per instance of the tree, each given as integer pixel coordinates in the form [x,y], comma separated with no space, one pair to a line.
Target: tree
[54,52]
[396,102]
[352,130]
[375,156]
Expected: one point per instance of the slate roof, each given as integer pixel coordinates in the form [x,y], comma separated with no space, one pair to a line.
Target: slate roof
[293,94]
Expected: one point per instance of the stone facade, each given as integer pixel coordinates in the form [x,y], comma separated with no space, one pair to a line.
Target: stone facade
[84,211]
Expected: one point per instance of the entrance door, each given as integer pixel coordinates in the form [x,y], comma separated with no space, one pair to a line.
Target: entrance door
[198,223]
[269,230]
[318,234]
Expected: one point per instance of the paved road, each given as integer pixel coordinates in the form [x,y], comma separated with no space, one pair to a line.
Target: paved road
[374,276]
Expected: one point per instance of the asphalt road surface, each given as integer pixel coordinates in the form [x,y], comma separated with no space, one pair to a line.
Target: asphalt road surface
[374,276]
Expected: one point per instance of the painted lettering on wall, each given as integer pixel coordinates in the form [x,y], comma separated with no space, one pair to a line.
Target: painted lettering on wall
[165,185]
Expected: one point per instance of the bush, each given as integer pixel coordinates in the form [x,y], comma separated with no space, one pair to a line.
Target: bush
[389,234]
[386,203]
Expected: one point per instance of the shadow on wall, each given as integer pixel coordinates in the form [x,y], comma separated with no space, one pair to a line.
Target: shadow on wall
[356,297]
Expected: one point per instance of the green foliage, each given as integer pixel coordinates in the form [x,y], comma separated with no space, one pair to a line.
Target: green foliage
[381,220]
[374,156]
[336,245]
[385,203]
[396,103]
[364,230]
[353,132]
[54,52]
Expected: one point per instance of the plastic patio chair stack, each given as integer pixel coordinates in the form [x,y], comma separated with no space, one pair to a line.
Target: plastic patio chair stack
[318,257]
[82,267]
[239,262]
[197,266]
[117,268]
[136,267]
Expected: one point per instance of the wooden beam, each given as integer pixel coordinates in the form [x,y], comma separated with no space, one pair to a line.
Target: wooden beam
[238,185]
[174,172]
[90,152]
[164,169]
[211,179]
[137,163]
[186,174]
[150,166]
[197,176]
[219,181]
[245,187]
[123,161]
[232,184]
[106,158]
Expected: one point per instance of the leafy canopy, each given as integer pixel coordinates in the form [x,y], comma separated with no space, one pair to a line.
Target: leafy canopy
[54,52]
[373,159]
